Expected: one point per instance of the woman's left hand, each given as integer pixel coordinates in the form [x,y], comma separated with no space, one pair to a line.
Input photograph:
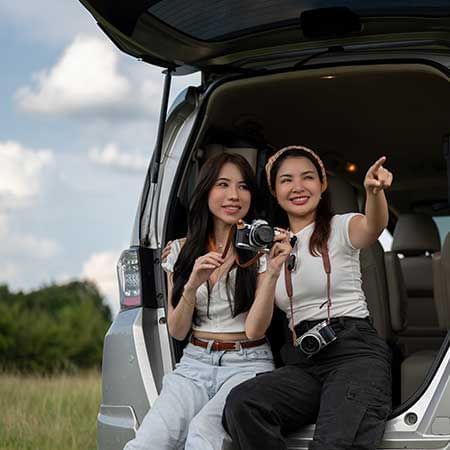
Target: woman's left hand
[377,177]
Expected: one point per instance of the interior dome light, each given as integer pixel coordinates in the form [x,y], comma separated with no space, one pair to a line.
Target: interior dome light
[351,167]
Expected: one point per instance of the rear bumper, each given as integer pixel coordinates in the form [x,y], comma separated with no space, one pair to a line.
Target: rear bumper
[116,425]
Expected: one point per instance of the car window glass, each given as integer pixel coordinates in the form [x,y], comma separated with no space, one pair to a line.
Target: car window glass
[223,19]
[385,240]
[443,224]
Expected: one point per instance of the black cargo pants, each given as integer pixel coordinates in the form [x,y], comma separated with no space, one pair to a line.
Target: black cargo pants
[345,389]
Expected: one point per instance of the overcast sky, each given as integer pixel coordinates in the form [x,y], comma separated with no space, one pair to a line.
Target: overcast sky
[77,127]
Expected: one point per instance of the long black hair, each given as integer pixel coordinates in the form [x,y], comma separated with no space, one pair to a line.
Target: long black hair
[200,228]
[323,216]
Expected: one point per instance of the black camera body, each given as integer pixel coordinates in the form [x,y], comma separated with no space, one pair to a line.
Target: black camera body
[315,339]
[256,237]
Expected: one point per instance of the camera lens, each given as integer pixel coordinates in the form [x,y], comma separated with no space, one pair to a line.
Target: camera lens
[262,235]
[310,344]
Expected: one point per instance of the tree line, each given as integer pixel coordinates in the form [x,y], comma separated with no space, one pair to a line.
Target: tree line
[52,329]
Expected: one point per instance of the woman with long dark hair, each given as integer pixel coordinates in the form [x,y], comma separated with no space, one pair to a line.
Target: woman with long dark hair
[210,297]
[337,371]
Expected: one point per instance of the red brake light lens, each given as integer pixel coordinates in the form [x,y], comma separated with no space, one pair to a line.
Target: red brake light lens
[129,275]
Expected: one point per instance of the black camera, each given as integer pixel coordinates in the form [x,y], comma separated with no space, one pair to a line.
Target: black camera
[257,236]
[316,339]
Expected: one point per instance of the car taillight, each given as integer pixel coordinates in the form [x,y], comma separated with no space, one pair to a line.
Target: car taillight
[129,275]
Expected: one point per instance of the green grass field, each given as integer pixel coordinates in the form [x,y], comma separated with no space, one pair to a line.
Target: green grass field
[57,413]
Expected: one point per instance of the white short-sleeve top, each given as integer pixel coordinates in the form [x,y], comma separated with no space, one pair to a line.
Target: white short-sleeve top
[220,318]
[309,280]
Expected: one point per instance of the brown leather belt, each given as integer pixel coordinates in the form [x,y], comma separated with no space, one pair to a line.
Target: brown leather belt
[218,346]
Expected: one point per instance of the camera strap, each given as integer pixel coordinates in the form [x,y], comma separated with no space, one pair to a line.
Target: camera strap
[230,239]
[289,290]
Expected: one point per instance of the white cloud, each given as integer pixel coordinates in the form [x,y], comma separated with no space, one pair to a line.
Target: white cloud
[86,78]
[101,268]
[3,224]
[21,173]
[24,255]
[112,156]
[28,244]
[8,273]
[92,79]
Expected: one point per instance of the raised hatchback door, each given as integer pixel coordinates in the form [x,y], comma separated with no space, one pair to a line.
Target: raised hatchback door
[223,35]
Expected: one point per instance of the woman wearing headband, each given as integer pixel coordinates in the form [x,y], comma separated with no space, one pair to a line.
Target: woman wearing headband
[210,298]
[337,373]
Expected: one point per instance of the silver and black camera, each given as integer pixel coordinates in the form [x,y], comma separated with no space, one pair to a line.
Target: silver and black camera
[257,236]
[316,339]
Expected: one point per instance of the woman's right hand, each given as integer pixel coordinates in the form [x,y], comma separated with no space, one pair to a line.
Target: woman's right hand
[204,266]
[280,251]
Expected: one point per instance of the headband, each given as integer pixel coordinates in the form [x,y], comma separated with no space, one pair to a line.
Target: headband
[274,157]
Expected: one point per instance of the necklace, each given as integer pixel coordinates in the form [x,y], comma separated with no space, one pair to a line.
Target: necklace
[214,246]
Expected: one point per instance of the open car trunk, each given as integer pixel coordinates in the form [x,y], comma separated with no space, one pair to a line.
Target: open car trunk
[351,116]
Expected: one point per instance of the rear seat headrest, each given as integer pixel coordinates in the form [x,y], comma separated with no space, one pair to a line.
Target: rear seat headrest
[343,196]
[415,234]
[249,153]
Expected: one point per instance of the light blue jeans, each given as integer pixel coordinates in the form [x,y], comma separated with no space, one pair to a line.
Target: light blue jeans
[188,412]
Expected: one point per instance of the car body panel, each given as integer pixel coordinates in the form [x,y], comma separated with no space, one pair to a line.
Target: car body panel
[125,347]
[116,425]
[169,170]
[128,392]
[125,340]
[145,223]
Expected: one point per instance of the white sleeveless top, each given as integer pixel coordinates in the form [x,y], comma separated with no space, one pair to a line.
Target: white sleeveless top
[220,318]
[309,280]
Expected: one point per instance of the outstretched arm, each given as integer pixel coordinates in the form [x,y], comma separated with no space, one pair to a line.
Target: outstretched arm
[365,230]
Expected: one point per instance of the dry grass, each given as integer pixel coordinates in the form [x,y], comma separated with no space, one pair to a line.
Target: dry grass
[53,413]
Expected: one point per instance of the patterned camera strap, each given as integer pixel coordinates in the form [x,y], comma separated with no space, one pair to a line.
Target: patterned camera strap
[289,291]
